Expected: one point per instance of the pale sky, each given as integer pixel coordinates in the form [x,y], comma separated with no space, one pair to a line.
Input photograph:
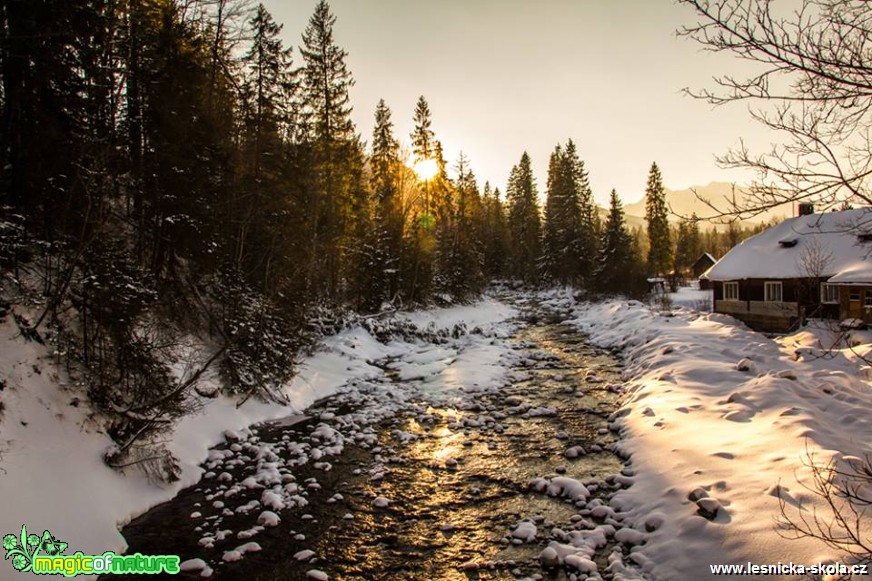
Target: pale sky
[505,76]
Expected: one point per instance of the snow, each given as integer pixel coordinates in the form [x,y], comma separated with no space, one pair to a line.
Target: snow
[858,272]
[715,419]
[719,413]
[381,502]
[48,433]
[487,314]
[268,519]
[692,297]
[829,238]
[525,532]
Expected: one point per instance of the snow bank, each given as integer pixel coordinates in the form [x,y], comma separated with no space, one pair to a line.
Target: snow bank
[722,412]
[692,298]
[51,471]
[488,314]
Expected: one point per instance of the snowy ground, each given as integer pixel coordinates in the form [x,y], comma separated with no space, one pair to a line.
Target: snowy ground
[714,406]
[692,297]
[52,476]
[710,409]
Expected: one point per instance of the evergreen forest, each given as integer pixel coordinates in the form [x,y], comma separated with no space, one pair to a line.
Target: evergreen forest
[174,176]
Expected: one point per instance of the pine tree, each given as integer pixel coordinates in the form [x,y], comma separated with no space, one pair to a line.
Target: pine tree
[588,227]
[327,79]
[687,245]
[426,219]
[495,233]
[424,151]
[423,139]
[694,242]
[660,247]
[267,92]
[558,252]
[524,221]
[571,223]
[616,260]
[385,154]
[270,83]
[459,254]
[388,220]
[326,82]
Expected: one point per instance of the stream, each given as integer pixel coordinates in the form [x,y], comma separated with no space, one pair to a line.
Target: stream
[426,488]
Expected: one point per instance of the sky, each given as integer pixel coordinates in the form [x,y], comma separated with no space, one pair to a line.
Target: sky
[507,76]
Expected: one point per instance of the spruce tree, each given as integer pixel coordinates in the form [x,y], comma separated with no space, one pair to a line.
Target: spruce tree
[659,244]
[423,139]
[557,252]
[385,154]
[327,79]
[495,234]
[268,82]
[326,82]
[571,223]
[681,257]
[687,245]
[587,232]
[694,239]
[524,221]
[459,255]
[388,221]
[615,261]
[267,91]
[421,245]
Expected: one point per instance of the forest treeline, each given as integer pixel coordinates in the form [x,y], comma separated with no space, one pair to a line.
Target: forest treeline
[170,169]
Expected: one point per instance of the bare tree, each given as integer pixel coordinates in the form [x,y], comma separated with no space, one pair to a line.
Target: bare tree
[845,489]
[812,85]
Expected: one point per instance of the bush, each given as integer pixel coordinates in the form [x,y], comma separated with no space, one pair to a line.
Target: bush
[261,341]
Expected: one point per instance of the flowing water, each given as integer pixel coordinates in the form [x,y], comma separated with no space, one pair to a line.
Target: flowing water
[457,480]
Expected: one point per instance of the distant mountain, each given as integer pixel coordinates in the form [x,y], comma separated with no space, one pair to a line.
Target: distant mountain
[686,202]
[631,221]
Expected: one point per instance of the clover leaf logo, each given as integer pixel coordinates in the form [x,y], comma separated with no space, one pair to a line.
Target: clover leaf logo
[22,550]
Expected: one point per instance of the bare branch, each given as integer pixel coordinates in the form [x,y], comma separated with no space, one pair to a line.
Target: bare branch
[811,85]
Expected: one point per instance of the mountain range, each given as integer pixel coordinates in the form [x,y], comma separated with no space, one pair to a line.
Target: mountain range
[683,203]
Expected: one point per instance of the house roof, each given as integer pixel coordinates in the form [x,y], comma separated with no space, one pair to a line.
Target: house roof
[705,256]
[830,244]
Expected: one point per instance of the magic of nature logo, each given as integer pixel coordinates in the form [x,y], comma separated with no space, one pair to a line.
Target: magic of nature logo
[44,555]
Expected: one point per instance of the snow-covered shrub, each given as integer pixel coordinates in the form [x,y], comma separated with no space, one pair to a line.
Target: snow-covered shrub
[261,340]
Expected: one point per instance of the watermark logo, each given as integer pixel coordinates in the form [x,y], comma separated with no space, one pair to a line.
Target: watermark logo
[45,556]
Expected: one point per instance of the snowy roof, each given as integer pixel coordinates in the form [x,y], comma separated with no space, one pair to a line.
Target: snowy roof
[707,256]
[831,244]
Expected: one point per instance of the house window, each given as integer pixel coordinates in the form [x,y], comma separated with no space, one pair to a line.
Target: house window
[854,296]
[867,301]
[772,292]
[731,291]
[829,293]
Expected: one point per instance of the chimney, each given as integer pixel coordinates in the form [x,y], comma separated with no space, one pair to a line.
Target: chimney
[806,208]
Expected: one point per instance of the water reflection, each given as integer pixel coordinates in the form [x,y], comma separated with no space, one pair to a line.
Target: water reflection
[456,479]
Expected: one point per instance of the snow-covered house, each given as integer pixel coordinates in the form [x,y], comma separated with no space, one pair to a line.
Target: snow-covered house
[814,265]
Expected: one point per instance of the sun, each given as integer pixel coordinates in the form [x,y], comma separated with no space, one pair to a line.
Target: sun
[426,169]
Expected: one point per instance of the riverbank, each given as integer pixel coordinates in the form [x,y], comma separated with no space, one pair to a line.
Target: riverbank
[714,409]
[410,476]
[52,443]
